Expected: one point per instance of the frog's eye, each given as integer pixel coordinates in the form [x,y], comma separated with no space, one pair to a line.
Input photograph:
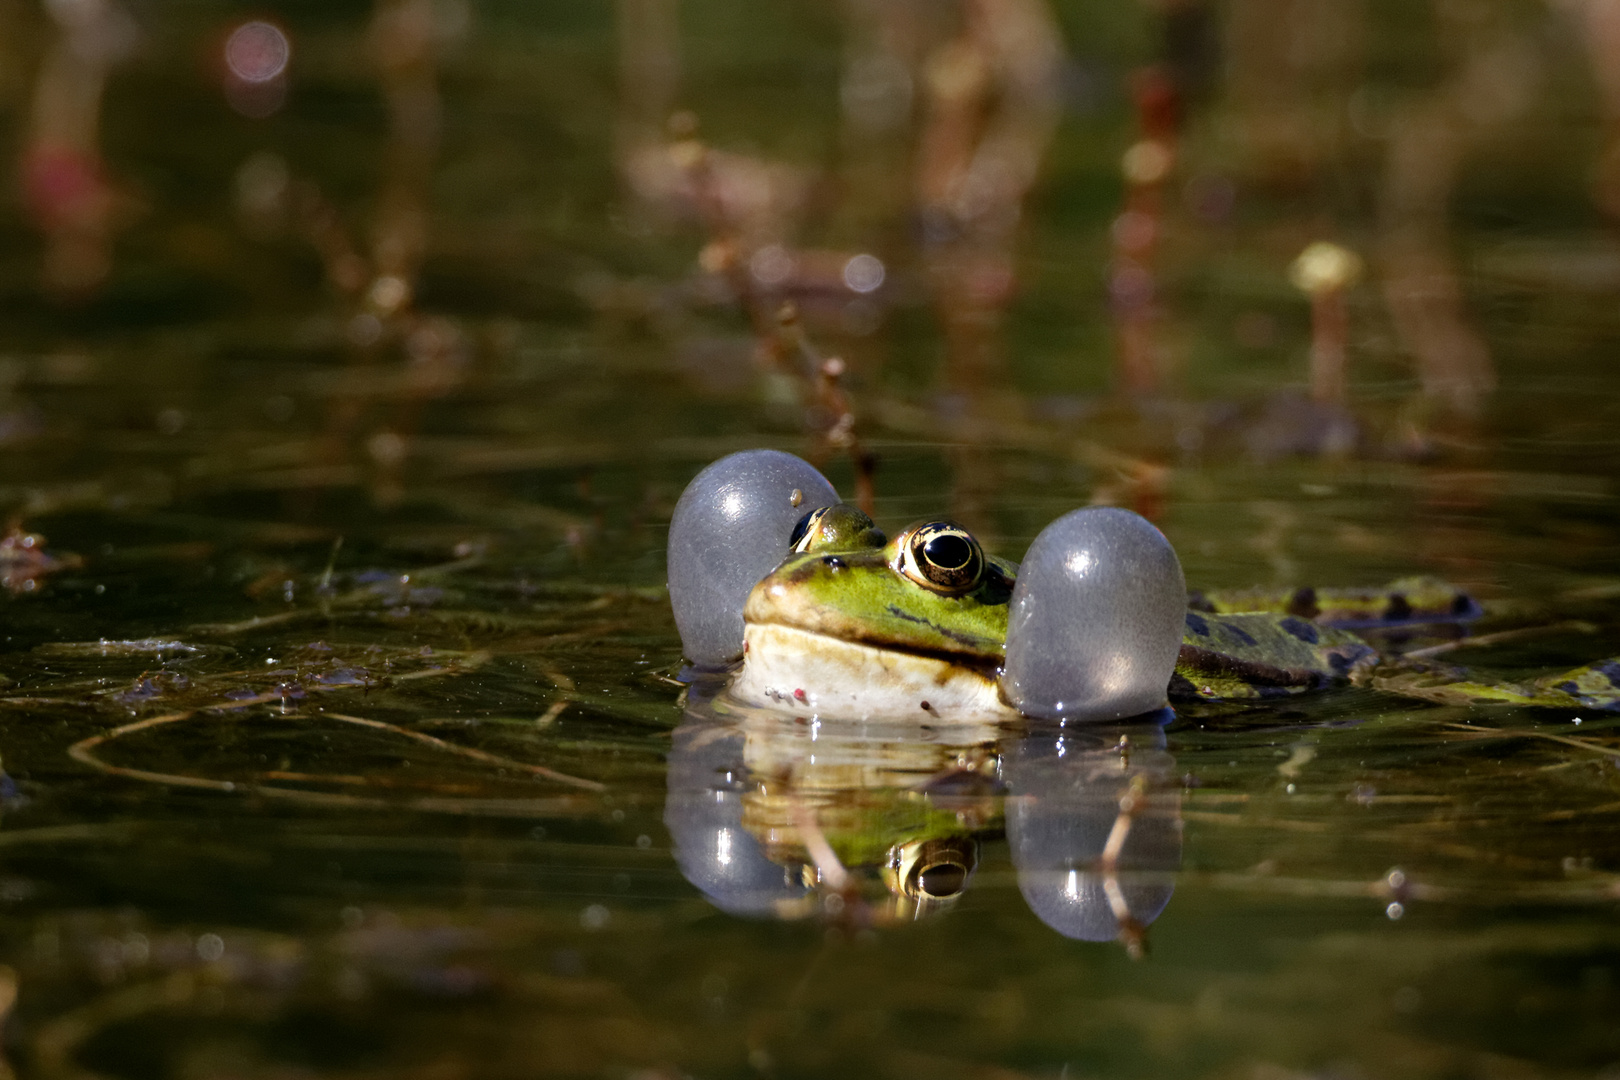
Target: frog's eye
[939,880]
[805,531]
[935,869]
[943,557]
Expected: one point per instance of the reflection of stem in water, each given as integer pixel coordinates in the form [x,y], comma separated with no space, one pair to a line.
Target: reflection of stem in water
[1427,144]
[991,108]
[1131,931]
[1599,22]
[828,867]
[404,37]
[8,1001]
[404,40]
[1136,232]
[63,175]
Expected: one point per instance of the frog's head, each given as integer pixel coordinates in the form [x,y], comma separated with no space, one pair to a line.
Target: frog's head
[926,626]
[930,592]
[929,626]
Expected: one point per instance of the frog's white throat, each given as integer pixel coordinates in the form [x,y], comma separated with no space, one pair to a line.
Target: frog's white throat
[788,668]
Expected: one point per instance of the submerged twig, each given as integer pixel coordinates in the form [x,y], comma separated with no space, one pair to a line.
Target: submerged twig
[1572,626]
[1518,733]
[469,752]
[81,752]
[1132,932]
[84,752]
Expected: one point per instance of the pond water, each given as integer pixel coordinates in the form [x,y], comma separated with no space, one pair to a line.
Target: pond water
[350,371]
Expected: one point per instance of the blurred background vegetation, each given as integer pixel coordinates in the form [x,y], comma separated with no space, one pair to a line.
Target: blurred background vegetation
[413,181]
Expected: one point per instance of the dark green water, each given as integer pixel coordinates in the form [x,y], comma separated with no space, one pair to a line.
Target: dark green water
[329,602]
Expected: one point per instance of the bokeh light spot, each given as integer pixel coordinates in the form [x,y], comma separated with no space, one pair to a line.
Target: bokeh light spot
[257,52]
[864,273]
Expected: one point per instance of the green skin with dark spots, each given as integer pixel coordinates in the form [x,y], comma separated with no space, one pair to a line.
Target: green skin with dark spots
[845,583]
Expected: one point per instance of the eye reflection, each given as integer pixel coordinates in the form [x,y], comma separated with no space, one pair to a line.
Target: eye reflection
[941,880]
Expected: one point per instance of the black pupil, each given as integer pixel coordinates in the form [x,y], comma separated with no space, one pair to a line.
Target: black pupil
[942,879]
[948,551]
[801,528]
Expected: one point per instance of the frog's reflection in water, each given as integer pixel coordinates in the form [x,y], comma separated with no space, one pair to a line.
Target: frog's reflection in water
[1093,823]
[782,817]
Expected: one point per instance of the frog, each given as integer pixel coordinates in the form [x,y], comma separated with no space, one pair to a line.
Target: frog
[849,623]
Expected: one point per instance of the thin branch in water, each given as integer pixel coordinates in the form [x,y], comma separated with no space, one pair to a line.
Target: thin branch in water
[470,752]
[82,752]
[1571,626]
[1473,732]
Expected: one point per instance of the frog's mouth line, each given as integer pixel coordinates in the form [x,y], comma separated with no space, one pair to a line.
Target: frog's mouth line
[987,668]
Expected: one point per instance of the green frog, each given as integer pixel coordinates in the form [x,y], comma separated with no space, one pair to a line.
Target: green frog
[853,624]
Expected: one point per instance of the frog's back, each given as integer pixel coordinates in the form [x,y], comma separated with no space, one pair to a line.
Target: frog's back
[1406,601]
[1262,655]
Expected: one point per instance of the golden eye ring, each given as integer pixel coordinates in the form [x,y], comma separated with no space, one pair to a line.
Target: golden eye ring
[943,557]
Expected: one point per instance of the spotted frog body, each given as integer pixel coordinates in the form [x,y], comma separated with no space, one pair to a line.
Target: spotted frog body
[853,624]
